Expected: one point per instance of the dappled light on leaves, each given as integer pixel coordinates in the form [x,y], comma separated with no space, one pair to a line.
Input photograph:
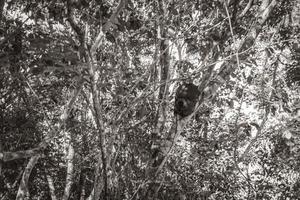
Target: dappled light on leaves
[139,99]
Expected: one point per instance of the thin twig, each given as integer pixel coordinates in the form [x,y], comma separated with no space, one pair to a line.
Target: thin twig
[232,34]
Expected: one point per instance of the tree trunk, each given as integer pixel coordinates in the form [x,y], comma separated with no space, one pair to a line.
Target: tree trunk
[23,192]
[104,158]
[164,63]
[51,187]
[70,172]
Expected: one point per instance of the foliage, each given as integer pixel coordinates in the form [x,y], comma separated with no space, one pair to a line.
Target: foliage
[112,104]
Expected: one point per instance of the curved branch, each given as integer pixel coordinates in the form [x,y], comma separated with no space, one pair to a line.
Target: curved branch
[23,192]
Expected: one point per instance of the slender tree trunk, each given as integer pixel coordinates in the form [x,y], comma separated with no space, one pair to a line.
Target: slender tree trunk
[51,187]
[97,106]
[164,64]
[23,192]
[82,181]
[82,192]
[98,181]
[70,172]
[102,138]
[164,75]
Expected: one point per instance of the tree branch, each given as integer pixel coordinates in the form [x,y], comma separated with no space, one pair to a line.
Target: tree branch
[8,156]
[112,20]
[51,187]
[23,192]
[246,9]
[71,20]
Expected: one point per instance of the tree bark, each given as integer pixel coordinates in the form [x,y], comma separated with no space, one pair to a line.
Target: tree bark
[164,64]
[8,156]
[51,187]
[70,172]
[23,192]
[82,181]
[102,137]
